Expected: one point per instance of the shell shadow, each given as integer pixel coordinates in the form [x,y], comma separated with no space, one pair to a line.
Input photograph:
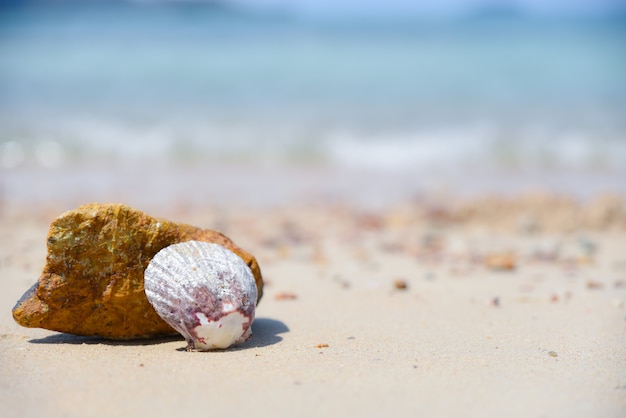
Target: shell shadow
[265,331]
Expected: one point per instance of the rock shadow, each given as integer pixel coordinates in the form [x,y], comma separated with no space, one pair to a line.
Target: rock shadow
[265,331]
[63,338]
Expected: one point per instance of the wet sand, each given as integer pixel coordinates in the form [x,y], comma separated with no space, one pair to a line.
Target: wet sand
[434,306]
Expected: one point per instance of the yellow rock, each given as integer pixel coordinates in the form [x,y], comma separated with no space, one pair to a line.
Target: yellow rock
[92,283]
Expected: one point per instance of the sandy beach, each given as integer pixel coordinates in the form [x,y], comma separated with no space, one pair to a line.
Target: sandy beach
[507,306]
[434,192]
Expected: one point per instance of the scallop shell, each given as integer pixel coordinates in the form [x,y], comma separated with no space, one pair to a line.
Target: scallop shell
[204,291]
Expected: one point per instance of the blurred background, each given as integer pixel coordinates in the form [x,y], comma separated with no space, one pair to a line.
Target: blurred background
[250,97]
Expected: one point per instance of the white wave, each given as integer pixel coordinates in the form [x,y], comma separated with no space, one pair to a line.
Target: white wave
[480,145]
[485,144]
[418,149]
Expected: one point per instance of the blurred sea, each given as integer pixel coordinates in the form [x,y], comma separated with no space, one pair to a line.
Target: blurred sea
[196,85]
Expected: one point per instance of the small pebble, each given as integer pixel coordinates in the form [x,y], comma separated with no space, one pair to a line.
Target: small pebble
[587,246]
[400,284]
[552,354]
[321,345]
[593,284]
[286,296]
[502,262]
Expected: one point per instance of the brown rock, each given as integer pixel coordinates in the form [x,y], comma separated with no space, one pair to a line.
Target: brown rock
[92,283]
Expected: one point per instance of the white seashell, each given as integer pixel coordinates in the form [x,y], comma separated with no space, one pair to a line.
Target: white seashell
[204,291]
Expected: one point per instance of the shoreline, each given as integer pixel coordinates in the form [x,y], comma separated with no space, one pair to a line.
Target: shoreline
[261,186]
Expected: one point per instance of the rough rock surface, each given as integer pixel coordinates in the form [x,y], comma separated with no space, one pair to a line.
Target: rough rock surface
[93,284]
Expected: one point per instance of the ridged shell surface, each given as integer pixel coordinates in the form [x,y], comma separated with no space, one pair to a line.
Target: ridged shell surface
[204,291]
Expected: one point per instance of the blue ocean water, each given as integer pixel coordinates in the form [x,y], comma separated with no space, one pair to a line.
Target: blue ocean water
[201,84]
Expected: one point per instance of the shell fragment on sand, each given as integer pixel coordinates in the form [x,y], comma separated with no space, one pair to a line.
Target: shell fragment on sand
[93,280]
